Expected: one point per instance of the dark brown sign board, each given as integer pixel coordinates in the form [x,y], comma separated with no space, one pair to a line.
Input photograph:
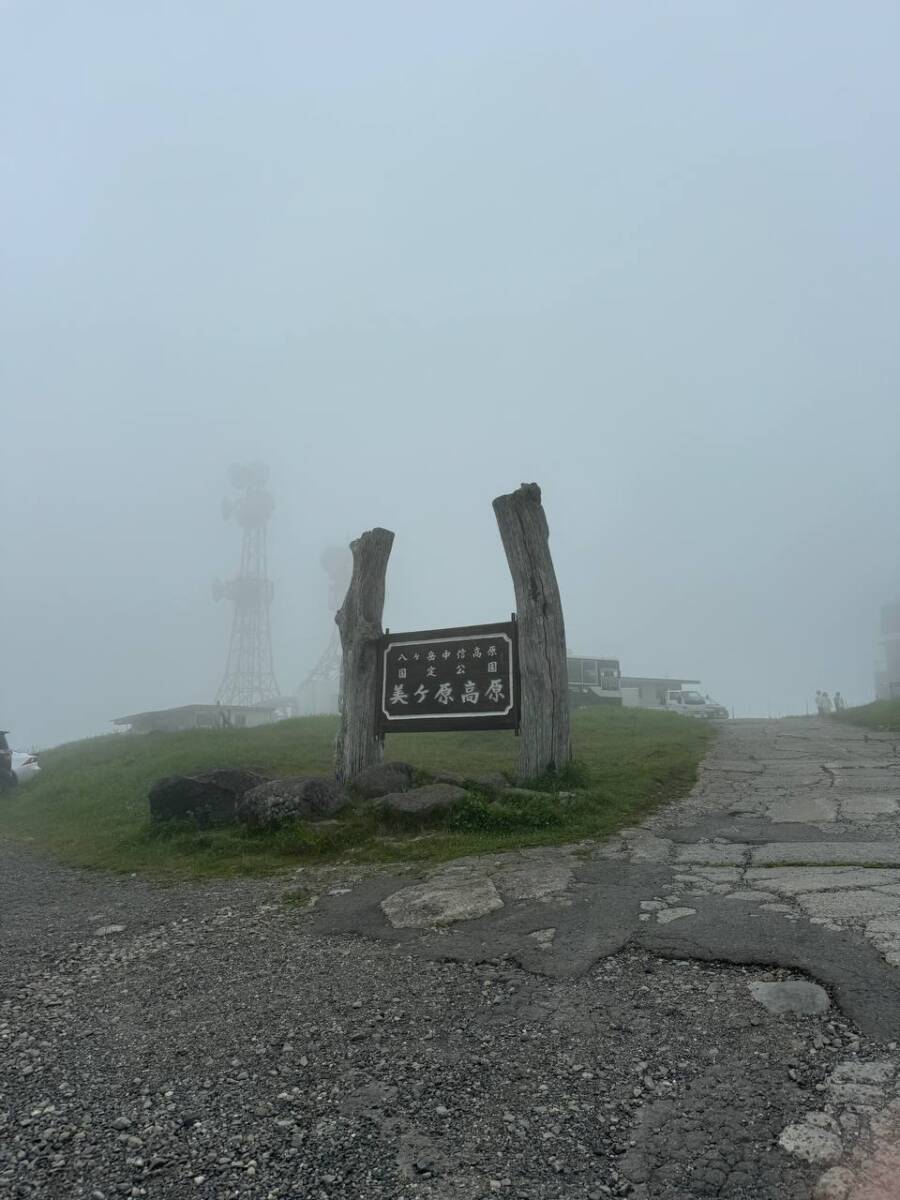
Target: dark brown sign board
[449,679]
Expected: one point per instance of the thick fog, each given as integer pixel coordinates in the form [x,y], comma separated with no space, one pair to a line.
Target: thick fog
[410,255]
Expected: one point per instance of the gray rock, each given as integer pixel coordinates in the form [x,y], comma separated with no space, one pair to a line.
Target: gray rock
[448,777]
[791,996]
[209,799]
[383,779]
[441,901]
[674,914]
[298,798]
[422,800]
[813,1145]
[491,782]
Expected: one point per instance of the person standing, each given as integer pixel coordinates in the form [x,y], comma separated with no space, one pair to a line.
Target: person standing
[839,702]
[827,706]
[7,774]
[819,708]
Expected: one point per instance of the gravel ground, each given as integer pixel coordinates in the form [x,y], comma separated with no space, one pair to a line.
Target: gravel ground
[205,1042]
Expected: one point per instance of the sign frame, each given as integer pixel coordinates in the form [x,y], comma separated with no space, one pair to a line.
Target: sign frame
[437,722]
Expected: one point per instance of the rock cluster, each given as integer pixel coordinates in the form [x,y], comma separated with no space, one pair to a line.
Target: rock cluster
[295,799]
[224,796]
[208,799]
[383,779]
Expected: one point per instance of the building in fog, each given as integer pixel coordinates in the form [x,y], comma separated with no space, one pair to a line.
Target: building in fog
[887,674]
[641,692]
[594,680]
[600,681]
[199,716]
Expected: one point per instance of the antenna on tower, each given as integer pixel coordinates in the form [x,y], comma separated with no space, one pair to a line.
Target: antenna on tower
[249,674]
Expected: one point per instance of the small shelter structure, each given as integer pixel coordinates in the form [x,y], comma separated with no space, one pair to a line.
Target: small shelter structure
[594,680]
[199,716]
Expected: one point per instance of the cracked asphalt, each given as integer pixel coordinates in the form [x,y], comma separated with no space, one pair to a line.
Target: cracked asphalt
[582,1021]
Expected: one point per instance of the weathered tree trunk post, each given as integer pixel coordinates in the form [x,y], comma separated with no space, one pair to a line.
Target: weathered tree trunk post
[545,744]
[359,622]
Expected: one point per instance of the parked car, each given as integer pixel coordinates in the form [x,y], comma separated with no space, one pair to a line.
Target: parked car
[25,766]
[15,765]
[8,777]
[694,704]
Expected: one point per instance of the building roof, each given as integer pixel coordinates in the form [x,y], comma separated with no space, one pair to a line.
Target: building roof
[637,680]
[266,706]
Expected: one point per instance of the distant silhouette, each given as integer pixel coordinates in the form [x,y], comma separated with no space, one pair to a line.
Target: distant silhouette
[839,702]
[827,706]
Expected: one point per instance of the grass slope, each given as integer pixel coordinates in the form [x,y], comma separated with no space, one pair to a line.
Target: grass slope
[882,715]
[89,805]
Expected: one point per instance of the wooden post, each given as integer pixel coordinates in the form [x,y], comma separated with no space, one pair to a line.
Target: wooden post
[359,623]
[545,744]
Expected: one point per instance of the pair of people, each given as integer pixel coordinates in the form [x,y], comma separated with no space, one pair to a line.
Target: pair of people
[825,705]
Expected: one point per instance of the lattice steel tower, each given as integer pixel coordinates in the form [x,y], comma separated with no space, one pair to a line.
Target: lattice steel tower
[319,690]
[249,673]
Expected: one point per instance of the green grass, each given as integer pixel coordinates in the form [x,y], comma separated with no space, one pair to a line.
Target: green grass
[882,715]
[89,805]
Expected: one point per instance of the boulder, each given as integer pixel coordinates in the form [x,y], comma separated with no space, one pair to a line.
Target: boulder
[234,779]
[383,779]
[493,782]
[208,799]
[299,798]
[422,800]
[447,777]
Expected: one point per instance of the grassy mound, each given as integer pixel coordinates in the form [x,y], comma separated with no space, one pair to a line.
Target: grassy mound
[89,805]
[882,715]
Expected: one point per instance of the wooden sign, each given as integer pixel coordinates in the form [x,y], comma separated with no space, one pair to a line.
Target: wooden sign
[449,679]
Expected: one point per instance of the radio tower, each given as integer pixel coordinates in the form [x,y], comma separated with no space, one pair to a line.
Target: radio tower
[249,674]
[319,690]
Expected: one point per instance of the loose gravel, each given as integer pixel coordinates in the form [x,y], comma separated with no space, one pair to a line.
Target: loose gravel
[204,1042]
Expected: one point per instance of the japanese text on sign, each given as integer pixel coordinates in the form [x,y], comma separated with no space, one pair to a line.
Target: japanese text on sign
[463,675]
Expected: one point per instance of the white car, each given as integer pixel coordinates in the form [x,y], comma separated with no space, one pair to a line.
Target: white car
[694,704]
[24,766]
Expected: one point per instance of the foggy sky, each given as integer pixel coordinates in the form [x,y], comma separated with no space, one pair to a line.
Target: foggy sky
[411,255]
